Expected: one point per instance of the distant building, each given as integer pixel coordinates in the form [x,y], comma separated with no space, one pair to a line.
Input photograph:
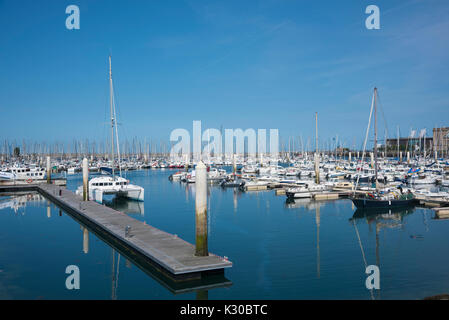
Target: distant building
[410,144]
[441,138]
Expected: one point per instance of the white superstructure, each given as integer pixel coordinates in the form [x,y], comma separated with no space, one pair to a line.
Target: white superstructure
[100,186]
[22,173]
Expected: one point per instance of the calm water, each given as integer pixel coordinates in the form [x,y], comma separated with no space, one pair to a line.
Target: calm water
[300,250]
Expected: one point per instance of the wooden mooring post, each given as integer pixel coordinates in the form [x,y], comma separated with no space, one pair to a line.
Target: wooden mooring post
[85,180]
[48,170]
[201,248]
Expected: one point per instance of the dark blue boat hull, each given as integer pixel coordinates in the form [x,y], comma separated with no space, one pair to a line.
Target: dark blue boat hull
[366,203]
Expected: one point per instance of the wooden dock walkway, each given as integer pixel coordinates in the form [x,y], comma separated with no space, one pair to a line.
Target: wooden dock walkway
[32,183]
[171,255]
[431,202]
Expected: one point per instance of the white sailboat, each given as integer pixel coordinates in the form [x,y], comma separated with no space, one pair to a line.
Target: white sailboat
[113,184]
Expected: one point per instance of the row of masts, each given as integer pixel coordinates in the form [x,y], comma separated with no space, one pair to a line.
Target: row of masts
[139,150]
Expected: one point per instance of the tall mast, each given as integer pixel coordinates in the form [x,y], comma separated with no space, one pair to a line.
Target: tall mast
[375,135]
[398,143]
[112,116]
[316,132]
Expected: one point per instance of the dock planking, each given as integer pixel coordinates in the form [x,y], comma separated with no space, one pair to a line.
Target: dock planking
[172,255]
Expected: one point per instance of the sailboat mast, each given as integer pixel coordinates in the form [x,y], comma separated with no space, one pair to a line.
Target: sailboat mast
[398,143]
[375,135]
[112,116]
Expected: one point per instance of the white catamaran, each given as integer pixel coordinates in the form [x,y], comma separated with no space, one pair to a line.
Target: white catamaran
[113,184]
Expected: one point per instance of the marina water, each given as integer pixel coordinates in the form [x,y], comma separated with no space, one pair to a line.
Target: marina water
[303,249]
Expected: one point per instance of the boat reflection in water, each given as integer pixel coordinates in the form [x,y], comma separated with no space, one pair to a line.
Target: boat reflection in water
[306,203]
[18,201]
[126,206]
[387,214]
[382,218]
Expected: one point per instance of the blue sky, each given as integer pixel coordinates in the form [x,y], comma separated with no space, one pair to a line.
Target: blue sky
[235,64]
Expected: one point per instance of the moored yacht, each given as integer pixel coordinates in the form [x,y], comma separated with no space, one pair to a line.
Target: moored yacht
[100,186]
[380,198]
[116,185]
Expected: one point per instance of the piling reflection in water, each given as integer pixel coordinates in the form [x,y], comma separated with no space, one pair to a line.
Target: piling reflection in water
[317,220]
[85,240]
[201,286]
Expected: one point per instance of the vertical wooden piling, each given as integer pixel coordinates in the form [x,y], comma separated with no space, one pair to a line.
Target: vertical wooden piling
[85,240]
[48,170]
[400,156]
[234,165]
[201,248]
[85,180]
[408,157]
[349,157]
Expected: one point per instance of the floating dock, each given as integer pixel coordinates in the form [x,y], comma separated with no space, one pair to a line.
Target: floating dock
[442,213]
[167,253]
[432,202]
[33,183]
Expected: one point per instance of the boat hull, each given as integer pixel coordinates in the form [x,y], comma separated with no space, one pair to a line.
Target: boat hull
[362,203]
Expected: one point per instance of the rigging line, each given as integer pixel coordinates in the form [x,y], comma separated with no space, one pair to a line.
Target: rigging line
[382,111]
[364,145]
[360,243]
[363,252]
[116,132]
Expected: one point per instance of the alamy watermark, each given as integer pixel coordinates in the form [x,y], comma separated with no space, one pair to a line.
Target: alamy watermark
[73,20]
[373,20]
[73,280]
[250,142]
[373,280]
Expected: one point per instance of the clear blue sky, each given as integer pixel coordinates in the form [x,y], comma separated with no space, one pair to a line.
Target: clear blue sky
[236,64]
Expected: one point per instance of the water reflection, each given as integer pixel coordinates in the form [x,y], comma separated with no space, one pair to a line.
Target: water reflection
[127,206]
[200,286]
[269,239]
[381,218]
[317,221]
[387,217]
[207,282]
[17,201]
[305,203]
